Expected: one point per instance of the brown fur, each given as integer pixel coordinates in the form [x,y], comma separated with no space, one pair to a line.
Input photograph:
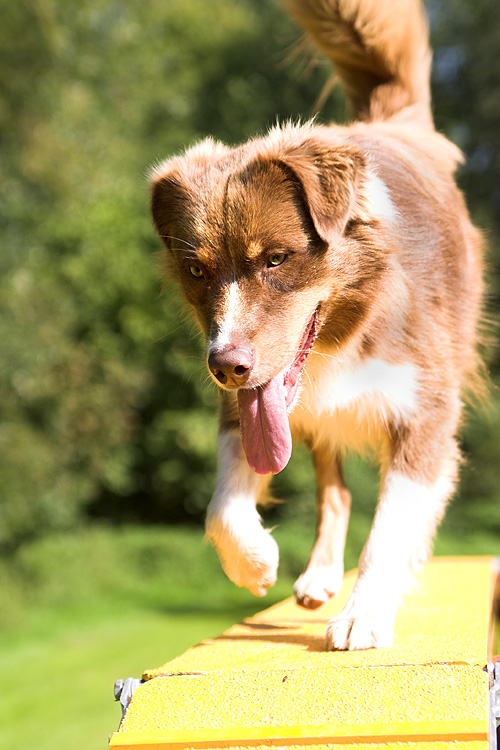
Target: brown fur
[406,290]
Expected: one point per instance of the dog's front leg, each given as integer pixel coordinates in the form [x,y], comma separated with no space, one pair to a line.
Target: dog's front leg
[408,512]
[323,574]
[248,553]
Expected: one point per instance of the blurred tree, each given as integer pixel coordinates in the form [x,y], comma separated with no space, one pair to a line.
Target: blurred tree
[466,88]
[106,409]
[466,92]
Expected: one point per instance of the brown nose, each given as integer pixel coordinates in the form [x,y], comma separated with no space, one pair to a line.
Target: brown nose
[231,365]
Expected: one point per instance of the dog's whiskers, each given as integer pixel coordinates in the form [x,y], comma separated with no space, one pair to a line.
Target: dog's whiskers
[169,333]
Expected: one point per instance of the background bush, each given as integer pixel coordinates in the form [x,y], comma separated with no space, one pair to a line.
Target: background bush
[106,409]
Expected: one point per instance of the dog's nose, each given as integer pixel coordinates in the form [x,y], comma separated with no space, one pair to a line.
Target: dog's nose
[231,365]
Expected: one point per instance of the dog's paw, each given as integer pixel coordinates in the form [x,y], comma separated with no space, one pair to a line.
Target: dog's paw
[357,632]
[317,585]
[250,560]
[254,567]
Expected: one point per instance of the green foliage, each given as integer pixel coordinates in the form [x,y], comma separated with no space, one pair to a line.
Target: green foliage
[106,411]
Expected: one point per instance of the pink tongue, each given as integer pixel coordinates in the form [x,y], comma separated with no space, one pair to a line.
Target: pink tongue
[265,430]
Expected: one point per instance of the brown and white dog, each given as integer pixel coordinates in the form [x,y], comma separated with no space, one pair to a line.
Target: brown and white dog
[337,278]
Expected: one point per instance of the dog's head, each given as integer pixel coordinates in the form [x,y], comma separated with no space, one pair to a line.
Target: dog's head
[264,240]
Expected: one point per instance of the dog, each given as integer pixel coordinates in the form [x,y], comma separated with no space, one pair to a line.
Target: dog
[337,279]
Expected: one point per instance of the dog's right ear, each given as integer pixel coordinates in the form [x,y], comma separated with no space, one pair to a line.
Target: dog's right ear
[178,181]
[167,198]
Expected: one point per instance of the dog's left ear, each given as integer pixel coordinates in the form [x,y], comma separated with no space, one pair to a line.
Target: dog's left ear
[329,177]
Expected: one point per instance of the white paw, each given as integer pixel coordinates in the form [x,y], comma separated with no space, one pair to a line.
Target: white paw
[249,558]
[353,632]
[317,585]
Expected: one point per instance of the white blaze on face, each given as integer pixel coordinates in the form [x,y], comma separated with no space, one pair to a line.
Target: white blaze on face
[230,317]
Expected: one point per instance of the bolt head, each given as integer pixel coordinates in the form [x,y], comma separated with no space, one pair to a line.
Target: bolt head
[118,689]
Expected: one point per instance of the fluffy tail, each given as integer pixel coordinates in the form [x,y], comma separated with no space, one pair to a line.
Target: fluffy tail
[380,50]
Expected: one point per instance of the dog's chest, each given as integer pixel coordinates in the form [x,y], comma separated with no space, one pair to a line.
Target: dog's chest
[357,400]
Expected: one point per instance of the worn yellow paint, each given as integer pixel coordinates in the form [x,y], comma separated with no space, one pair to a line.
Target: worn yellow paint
[269,682]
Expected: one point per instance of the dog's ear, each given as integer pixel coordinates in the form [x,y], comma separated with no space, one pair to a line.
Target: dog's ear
[176,184]
[329,178]
[167,198]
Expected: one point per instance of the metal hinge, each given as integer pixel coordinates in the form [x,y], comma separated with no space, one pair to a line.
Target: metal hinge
[494,686]
[124,690]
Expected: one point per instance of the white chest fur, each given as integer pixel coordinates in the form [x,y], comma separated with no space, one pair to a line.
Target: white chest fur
[357,400]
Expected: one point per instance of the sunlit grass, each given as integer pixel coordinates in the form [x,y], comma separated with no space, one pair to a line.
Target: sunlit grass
[78,611]
[82,610]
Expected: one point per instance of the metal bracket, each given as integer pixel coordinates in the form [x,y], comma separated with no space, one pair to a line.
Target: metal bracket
[494,685]
[124,690]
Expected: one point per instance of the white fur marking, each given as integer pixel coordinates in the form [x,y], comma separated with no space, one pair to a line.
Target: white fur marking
[399,542]
[380,386]
[248,553]
[404,523]
[319,584]
[377,200]
[231,313]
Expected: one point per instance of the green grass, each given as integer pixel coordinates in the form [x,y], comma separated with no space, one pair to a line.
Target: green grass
[79,610]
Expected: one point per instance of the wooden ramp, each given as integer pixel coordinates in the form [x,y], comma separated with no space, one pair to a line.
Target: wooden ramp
[267,682]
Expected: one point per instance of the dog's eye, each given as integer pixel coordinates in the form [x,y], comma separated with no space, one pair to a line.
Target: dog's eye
[276,259]
[196,271]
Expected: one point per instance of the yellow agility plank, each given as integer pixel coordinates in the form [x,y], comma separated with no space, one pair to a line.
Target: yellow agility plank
[310,736]
[268,682]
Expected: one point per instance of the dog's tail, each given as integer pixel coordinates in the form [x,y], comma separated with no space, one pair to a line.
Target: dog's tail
[380,50]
